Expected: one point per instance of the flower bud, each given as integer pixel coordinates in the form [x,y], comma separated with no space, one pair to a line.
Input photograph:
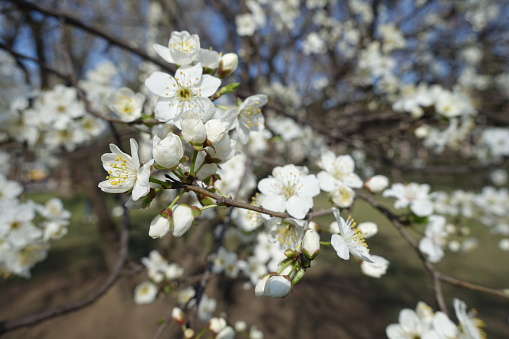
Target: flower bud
[240,326]
[278,286]
[289,253]
[228,64]
[311,244]
[189,333]
[178,315]
[216,325]
[193,129]
[182,219]
[260,286]
[216,131]
[368,229]
[314,226]
[226,333]
[167,152]
[377,183]
[159,227]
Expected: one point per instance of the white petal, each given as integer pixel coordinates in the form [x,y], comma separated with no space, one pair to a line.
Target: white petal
[164,52]
[298,207]
[422,207]
[161,84]
[159,227]
[167,110]
[274,202]
[209,85]
[340,246]
[327,181]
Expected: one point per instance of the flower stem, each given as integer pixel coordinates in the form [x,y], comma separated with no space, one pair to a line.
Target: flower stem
[208,206]
[176,199]
[193,163]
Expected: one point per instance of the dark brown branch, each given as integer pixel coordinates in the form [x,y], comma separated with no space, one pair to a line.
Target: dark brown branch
[37,61]
[73,21]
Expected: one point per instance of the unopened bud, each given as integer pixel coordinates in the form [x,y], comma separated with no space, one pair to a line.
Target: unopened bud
[377,183]
[278,286]
[311,244]
[289,253]
[228,64]
[216,325]
[314,226]
[368,229]
[189,333]
[260,286]
[178,315]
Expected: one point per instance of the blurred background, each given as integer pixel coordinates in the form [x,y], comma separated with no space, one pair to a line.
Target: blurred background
[414,90]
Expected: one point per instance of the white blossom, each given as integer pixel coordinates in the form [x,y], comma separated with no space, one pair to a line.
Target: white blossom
[189,90]
[290,189]
[124,172]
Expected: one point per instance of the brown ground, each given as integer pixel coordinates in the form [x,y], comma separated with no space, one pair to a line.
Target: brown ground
[322,306]
[325,304]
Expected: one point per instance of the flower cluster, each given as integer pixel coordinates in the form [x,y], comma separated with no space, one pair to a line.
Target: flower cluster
[424,323]
[23,240]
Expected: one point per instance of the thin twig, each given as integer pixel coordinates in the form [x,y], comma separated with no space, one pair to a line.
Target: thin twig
[73,21]
[435,275]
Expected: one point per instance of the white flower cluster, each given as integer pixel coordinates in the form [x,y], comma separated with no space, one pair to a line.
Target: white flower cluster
[158,271]
[426,324]
[23,241]
[488,207]
[218,327]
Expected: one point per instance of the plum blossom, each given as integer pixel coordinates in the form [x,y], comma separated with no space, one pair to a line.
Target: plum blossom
[247,117]
[145,293]
[288,232]
[167,152]
[126,104]
[433,242]
[470,324]
[246,24]
[349,240]
[338,178]
[414,195]
[412,324]
[183,48]
[189,90]
[9,189]
[124,172]
[375,269]
[290,189]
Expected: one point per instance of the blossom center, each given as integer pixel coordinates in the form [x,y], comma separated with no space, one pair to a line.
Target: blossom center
[287,235]
[184,93]
[250,116]
[184,46]
[288,185]
[356,236]
[120,171]
[15,225]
